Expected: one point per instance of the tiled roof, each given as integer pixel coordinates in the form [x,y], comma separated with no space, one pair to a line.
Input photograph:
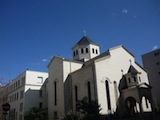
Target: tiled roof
[85,41]
[132,70]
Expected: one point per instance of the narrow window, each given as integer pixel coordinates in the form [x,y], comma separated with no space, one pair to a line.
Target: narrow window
[21,107]
[135,79]
[21,94]
[129,80]
[40,79]
[17,95]
[86,50]
[55,115]
[96,51]
[108,95]
[76,93]
[116,92]
[40,105]
[55,93]
[89,91]
[82,51]
[18,83]
[76,52]
[139,79]
[40,93]
[146,102]
[93,50]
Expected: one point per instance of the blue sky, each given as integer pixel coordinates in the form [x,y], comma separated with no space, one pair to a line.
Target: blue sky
[32,31]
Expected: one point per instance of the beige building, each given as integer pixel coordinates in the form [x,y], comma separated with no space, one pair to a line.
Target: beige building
[24,93]
[113,78]
[151,62]
[3,99]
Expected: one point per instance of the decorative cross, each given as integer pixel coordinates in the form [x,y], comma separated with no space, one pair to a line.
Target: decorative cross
[122,71]
[130,61]
[84,32]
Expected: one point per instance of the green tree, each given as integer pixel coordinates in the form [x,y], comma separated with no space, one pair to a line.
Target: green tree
[35,114]
[71,116]
[90,109]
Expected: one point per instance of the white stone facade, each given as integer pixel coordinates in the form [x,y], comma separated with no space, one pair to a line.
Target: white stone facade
[99,78]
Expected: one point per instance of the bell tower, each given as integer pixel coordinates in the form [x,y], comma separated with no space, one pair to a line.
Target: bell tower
[85,49]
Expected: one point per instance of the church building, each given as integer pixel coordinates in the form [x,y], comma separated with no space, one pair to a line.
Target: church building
[113,78]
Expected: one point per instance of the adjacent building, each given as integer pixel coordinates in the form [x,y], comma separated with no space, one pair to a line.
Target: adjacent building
[151,62]
[113,78]
[3,99]
[24,93]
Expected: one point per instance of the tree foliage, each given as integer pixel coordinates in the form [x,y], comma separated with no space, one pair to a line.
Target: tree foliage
[35,114]
[90,109]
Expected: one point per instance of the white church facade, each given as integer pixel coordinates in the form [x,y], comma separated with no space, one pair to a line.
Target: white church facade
[113,78]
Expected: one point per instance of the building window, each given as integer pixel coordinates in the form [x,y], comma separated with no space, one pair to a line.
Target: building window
[92,50]
[76,52]
[55,115]
[139,79]
[55,93]
[40,105]
[21,94]
[156,54]
[96,51]
[76,93]
[40,79]
[135,79]
[146,102]
[18,83]
[116,91]
[21,107]
[129,80]
[86,50]
[17,96]
[89,91]
[82,50]
[20,117]
[40,93]
[23,80]
[108,95]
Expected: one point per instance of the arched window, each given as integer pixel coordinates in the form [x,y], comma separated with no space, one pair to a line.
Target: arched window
[89,91]
[108,95]
[116,91]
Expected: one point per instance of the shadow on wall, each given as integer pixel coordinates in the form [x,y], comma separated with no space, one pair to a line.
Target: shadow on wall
[134,101]
[32,99]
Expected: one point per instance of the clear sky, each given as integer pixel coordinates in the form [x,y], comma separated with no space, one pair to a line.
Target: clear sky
[32,31]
